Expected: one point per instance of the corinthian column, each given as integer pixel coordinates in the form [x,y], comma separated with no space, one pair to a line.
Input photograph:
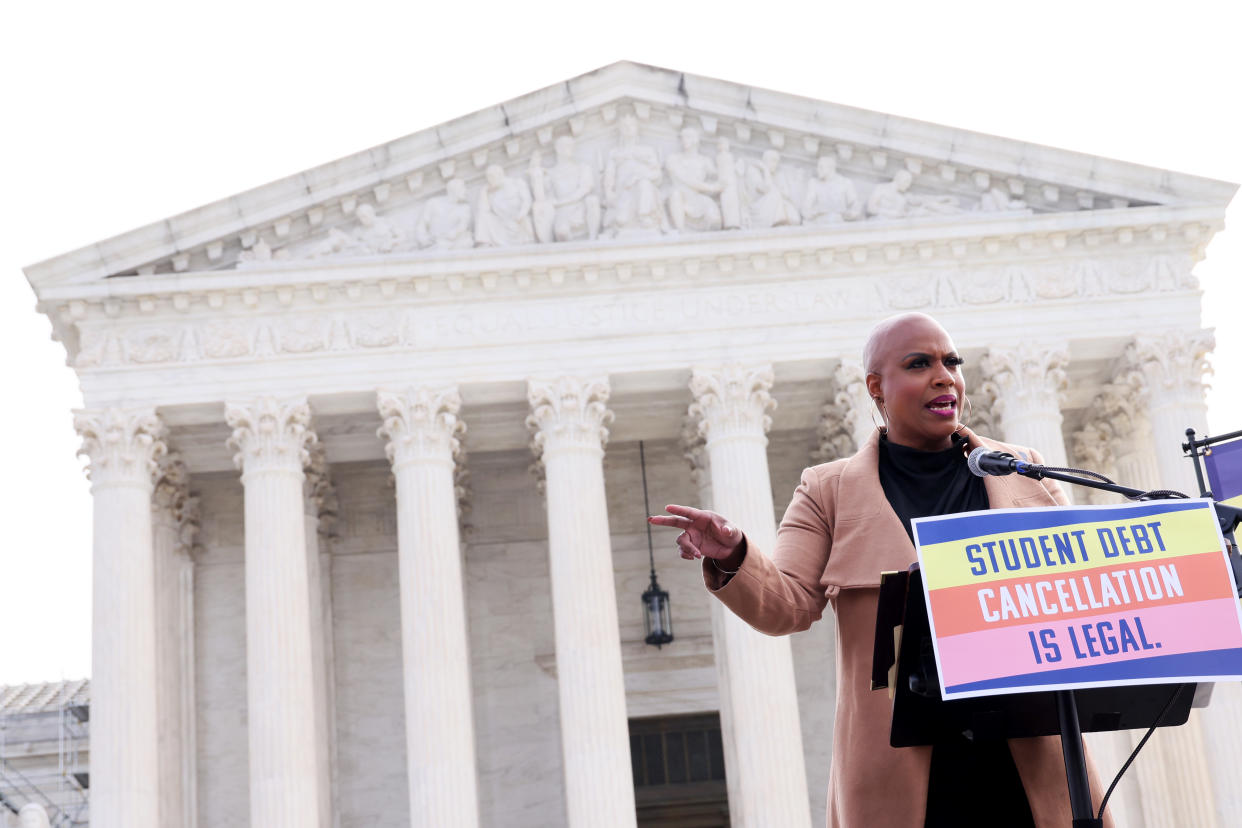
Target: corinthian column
[765,769]
[175,519]
[854,403]
[271,437]
[1029,380]
[320,504]
[123,448]
[1173,365]
[568,421]
[423,444]
[1122,411]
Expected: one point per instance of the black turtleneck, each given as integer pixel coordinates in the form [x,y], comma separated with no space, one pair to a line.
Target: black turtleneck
[971,782]
[928,483]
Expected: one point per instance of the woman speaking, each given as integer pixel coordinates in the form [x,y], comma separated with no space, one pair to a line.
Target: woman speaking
[848,521]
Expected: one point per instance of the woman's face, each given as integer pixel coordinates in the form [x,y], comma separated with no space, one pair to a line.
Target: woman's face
[916,372]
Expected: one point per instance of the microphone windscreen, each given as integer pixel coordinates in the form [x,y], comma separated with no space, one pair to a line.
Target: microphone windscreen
[972,462]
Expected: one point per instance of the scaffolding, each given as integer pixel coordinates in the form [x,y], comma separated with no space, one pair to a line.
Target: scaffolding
[44,750]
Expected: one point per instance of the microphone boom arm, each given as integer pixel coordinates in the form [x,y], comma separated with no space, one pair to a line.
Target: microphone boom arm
[1227,516]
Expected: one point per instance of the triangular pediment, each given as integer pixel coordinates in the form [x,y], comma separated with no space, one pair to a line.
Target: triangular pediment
[628,152]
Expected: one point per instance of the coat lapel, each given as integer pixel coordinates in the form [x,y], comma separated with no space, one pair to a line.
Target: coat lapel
[868,537]
[1012,489]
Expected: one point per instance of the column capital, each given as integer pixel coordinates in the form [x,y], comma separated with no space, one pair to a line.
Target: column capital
[694,449]
[1092,447]
[320,491]
[569,413]
[1030,375]
[270,434]
[1173,362]
[732,400]
[834,437]
[172,499]
[172,482]
[1118,405]
[847,421]
[121,445]
[421,424]
[982,415]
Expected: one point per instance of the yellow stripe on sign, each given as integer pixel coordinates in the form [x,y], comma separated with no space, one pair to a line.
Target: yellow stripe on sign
[1235,501]
[1080,545]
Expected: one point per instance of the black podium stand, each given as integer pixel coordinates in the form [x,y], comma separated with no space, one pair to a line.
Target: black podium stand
[922,717]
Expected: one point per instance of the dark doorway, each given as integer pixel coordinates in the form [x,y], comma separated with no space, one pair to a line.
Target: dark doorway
[679,773]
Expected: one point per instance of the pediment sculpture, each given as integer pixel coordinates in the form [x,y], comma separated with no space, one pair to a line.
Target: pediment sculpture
[502,211]
[893,199]
[567,205]
[629,185]
[447,222]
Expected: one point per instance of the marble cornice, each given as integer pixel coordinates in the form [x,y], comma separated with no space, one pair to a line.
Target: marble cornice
[962,240]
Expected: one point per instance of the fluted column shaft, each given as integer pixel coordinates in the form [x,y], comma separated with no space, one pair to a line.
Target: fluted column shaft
[1093,449]
[764,762]
[271,438]
[122,447]
[422,429]
[318,490]
[175,519]
[568,420]
[1028,381]
[1172,366]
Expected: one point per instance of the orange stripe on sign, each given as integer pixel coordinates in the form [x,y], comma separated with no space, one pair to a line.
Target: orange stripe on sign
[1097,591]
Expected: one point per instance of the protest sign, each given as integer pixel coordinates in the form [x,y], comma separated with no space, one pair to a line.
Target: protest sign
[1061,597]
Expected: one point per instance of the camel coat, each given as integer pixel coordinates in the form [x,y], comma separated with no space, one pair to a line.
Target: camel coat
[838,534]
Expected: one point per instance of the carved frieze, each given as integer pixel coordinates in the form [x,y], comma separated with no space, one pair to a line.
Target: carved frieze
[627,176]
[328,320]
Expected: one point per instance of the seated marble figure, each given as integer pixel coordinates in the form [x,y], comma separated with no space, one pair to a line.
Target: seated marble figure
[893,199]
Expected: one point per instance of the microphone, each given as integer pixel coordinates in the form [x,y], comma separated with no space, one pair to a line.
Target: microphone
[983,462]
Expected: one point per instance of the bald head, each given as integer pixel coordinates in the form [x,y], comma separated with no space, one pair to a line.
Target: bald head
[892,331]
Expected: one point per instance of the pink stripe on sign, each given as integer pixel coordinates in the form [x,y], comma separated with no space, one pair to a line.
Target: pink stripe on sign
[1007,651]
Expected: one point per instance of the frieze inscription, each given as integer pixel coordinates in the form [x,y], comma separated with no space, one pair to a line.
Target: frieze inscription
[106,343]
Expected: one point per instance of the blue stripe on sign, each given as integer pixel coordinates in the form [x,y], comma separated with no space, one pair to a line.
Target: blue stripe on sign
[989,522]
[1224,469]
[1173,667]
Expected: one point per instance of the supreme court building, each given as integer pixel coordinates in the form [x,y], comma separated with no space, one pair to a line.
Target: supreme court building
[364,447]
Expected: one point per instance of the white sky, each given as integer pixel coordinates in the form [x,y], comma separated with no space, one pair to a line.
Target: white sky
[121,113]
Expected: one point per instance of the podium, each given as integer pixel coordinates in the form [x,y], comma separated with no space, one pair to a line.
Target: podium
[1052,620]
[904,662]
[922,717]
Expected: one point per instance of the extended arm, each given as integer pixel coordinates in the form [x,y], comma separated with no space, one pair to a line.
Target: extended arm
[775,594]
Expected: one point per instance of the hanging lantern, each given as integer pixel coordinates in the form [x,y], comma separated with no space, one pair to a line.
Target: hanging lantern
[657,614]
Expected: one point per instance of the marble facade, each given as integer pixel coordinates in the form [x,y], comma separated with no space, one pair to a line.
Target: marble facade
[394,571]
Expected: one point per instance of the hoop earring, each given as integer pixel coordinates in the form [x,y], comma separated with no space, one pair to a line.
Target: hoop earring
[882,426]
[969,411]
